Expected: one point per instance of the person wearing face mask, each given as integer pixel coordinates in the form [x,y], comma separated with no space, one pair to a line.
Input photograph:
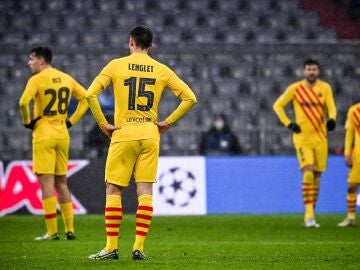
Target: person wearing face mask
[315,114]
[219,139]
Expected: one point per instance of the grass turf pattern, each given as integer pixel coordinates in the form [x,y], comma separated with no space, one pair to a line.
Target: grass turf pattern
[189,242]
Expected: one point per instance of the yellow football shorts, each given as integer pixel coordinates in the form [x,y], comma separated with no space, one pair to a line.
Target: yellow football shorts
[315,155]
[354,172]
[139,158]
[51,156]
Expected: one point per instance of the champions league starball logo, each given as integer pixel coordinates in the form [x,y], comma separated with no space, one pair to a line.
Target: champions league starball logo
[177,187]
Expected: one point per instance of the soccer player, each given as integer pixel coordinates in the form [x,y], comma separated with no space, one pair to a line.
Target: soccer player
[312,99]
[51,90]
[138,82]
[352,160]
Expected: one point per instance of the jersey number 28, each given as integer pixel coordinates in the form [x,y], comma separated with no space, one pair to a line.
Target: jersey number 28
[63,101]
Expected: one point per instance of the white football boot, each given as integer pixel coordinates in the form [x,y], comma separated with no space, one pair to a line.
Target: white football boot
[347,222]
[311,223]
[46,236]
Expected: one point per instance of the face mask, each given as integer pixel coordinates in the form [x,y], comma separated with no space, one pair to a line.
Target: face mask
[219,124]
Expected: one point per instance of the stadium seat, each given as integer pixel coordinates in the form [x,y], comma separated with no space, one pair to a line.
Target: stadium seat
[13,39]
[237,54]
[93,39]
[74,21]
[47,21]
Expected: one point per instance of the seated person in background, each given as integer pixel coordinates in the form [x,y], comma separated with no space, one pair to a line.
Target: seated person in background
[219,139]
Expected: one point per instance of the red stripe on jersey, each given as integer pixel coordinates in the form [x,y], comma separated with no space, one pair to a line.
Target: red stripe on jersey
[358,109]
[351,201]
[319,123]
[50,216]
[112,233]
[309,118]
[113,217]
[306,202]
[114,209]
[146,208]
[146,217]
[141,233]
[356,116]
[306,184]
[312,91]
[112,225]
[142,225]
[321,113]
[309,189]
[357,120]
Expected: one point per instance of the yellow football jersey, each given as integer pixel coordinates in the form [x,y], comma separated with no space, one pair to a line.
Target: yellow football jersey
[51,91]
[138,82]
[311,106]
[352,138]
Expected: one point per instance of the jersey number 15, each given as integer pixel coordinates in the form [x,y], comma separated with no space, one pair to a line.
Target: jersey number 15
[141,92]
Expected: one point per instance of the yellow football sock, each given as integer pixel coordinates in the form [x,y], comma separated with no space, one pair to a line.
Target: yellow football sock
[68,216]
[113,217]
[351,205]
[143,220]
[316,189]
[49,205]
[307,193]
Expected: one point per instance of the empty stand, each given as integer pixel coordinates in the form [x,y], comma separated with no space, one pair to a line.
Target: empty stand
[237,55]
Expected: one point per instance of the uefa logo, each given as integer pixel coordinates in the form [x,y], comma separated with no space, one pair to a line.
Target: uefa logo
[177,187]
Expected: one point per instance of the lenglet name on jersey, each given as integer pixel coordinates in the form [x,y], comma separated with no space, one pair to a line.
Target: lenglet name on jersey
[142,68]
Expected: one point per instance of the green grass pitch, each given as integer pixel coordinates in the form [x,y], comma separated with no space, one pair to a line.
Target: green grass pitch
[192,242]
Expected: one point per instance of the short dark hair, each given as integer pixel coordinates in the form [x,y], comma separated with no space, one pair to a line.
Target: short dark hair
[310,61]
[143,36]
[44,52]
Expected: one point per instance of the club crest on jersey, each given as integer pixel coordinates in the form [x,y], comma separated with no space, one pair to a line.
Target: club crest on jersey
[19,187]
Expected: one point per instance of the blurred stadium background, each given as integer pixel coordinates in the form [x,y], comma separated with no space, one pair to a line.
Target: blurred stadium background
[237,55]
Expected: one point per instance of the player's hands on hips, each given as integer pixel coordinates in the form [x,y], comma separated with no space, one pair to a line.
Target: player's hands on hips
[109,129]
[32,123]
[348,161]
[163,126]
[331,125]
[294,127]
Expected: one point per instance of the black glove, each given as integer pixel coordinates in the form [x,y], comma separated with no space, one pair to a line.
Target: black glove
[331,125]
[32,123]
[68,124]
[294,127]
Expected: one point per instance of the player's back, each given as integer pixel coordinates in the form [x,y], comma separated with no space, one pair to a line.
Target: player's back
[138,81]
[52,91]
